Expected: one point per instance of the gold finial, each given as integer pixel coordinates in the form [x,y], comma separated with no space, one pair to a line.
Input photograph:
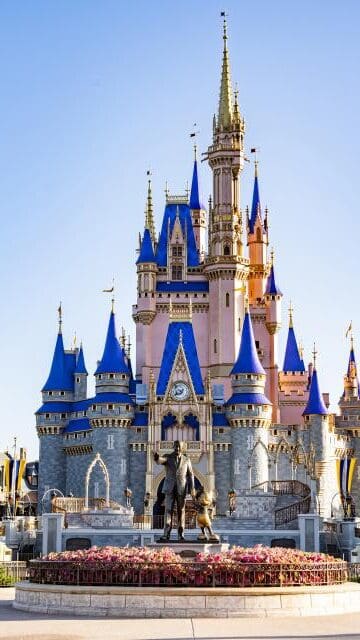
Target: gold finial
[195,152]
[128,346]
[246,304]
[74,341]
[291,309]
[187,190]
[272,254]
[301,350]
[60,317]
[314,355]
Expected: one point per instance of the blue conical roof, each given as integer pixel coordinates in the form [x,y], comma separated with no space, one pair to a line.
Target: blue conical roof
[271,286]
[146,250]
[194,193]
[113,360]
[58,379]
[315,403]
[80,363]
[180,331]
[352,360]
[255,207]
[292,360]
[248,359]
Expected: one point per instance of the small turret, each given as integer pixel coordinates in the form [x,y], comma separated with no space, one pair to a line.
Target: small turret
[112,373]
[197,211]
[351,384]
[315,404]
[80,375]
[249,413]
[257,240]
[273,297]
[60,382]
[293,380]
[317,421]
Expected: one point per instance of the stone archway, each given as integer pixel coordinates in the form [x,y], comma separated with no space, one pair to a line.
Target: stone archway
[97,460]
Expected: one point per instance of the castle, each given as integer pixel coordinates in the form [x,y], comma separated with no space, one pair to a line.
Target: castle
[208,315]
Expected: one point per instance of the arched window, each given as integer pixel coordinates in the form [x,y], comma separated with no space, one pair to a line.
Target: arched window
[226,250]
[227,300]
[215,346]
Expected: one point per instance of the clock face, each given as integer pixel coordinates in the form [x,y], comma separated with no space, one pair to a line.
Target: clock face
[180,391]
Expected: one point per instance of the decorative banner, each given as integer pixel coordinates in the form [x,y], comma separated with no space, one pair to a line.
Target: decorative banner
[350,474]
[21,469]
[344,474]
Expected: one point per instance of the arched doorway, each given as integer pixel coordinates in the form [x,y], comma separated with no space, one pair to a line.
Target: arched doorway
[158,509]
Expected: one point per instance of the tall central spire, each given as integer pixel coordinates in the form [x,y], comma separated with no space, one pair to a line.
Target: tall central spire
[225,101]
[149,214]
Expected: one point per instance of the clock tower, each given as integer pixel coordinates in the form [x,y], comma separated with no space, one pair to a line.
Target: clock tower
[180,405]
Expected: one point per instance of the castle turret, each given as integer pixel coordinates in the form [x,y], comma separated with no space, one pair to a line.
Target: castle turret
[52,416]
[249,414]
[226,267]
[112,373]
[293,380]
[317,421]
[80,375]
[273,297]
[258,241]
[198,213]
[111,413]
[146,277]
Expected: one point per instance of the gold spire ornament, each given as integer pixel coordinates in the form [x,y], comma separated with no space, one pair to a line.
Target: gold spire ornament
[291,309]
[225,101]
[149,211]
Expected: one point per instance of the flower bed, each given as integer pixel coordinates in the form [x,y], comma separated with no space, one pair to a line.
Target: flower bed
[141,566]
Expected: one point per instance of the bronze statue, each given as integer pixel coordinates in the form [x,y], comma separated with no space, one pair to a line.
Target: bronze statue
[179,474]
[204,505]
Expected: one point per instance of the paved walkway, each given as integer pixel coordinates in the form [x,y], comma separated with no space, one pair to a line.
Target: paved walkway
[29,626]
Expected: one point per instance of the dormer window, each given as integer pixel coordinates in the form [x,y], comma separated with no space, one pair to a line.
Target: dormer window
[78,380]
[176,272]
[100,376]
[62,393]
[227,250]
[177,251]
[111,376]
[49,393]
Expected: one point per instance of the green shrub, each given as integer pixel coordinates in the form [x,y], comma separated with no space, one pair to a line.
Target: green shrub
[5,580]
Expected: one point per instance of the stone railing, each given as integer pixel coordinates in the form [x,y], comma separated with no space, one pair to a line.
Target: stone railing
[190,445]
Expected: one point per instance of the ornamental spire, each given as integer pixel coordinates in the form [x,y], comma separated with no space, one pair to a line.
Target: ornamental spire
[149,212]
[225,102]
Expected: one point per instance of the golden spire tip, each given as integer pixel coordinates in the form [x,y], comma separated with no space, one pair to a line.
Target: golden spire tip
[291,309]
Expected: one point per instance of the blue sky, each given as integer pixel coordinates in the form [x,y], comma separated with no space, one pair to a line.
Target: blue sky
[94,93]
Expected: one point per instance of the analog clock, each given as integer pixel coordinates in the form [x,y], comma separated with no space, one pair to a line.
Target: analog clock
[180,391]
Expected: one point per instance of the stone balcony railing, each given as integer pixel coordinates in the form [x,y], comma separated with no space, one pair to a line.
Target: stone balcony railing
[190,445]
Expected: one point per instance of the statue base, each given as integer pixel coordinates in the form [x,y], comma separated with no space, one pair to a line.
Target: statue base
[190,548]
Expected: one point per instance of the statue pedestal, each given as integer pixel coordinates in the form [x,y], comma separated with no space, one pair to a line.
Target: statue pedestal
[190,548]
